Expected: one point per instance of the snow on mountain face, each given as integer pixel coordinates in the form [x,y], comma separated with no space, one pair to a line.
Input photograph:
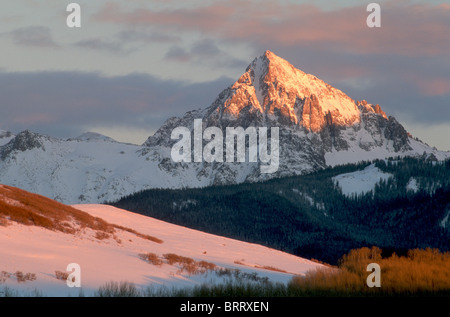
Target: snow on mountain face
[79,171]
[318,126]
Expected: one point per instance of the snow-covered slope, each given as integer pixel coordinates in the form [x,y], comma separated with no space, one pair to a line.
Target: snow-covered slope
[360,182]
[42,252]
[319,126]
[84,169]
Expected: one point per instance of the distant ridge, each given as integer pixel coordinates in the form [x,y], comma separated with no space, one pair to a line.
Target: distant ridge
[319,126]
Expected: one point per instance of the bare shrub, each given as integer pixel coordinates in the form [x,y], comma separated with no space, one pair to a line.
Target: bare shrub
[37,210]
[140,235]
[101,235]
[208,266]
[61,275]
[4,222]
[151,258]
[189,265]
[4,276]
[265,267]
[21,277]
[175,258]
[271,268]
[122,289]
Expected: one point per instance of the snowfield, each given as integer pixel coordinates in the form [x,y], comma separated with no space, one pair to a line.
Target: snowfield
[361,182]
[31,249]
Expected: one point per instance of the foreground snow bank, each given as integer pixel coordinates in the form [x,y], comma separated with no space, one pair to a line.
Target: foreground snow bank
[42,252]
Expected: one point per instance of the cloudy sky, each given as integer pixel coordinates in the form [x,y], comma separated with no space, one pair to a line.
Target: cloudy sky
[135,63]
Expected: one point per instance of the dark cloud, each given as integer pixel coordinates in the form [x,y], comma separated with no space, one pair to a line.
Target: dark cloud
[62,104]
[205,47]
[404,66]
[127,41]
[37,36]
[148,37]
[207,53]
[115,47]
[410,51]
[178,53]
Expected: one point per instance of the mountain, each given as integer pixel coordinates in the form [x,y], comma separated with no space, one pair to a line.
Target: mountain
[308,126]
[83,169]
[88,136]
[319,125]
[395,204]
[41,237]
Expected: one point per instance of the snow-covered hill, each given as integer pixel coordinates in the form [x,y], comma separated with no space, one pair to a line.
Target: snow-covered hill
[319,126]
[85,169]
[117,256]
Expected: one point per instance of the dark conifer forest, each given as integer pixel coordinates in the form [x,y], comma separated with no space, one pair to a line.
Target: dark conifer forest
[310,217]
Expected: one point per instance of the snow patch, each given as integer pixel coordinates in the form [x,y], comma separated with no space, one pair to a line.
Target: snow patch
[412,185]
[258,72]
[445,220]
[360,182]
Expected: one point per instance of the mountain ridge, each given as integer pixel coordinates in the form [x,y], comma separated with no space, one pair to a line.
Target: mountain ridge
[319,126]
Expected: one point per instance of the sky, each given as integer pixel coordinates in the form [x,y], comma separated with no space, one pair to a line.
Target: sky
[133,64]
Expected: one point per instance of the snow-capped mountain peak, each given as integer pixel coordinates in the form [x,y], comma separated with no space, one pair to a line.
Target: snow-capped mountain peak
[319,126]
[275,87]
[24,141]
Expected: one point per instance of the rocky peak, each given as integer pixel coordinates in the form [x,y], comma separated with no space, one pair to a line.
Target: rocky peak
[272,92]
[23,141]
[365,107]
[285,95]
[319,124]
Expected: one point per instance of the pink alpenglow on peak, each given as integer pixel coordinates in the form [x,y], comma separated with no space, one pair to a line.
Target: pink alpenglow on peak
[275,87]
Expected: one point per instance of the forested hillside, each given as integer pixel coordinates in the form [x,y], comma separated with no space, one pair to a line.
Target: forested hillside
[311,217]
